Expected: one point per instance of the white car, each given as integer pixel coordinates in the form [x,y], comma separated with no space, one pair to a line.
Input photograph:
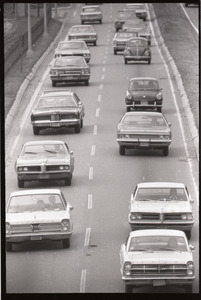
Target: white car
[157,257]
[39,214]
[161,205]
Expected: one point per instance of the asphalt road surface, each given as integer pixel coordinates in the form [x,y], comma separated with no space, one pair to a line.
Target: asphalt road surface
[103,180]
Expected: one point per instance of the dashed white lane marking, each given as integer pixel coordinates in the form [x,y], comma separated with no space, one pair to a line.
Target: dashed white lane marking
[89,201]
[99,98]
[97,112]
[95,130]
[101,86]
[83,281]
[91,173]
[103,62]
[74,13]
[87,236]
[102,77]
[93,150]
[103,69]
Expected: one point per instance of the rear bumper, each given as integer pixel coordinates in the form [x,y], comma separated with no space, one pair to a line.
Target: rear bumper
[137,58]
[70,78]
[147,105]
[56,124]
[140,144]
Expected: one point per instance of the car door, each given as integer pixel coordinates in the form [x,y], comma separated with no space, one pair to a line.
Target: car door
[80,106]
[71,158]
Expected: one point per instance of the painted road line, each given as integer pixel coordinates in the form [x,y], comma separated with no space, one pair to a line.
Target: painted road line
[83,281]
[87,237]
[97,112]
[99,98]
[101,86]
[91,173]
[74,13]
[93,150]
[103,69]
[89,201]
[95,130]
[102,77]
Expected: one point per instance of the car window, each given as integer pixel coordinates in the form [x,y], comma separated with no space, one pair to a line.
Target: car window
[126,35]
[81,29]
[31,203]
[44,150]
[56,102]
[126,15]
[160,194]
[143,84]
[78,61]
[91,9]
[137,43]
[74,45]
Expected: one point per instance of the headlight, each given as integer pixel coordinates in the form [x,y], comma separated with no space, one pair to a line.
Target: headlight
[66,224]
[7,227]
[127,265]
[164,137]
[114,43]
[52,72]
[190,268]
[135,216]
[146,53]
[187,217]
[21,169]
[66,167]
[127,52]
[129,96]
[159,96]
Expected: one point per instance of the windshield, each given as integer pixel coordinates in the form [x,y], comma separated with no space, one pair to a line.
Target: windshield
[37,202]
[143,121]
[126,15]
[44,150]
[56,102]
[137,43]
[144,85]
[157,243]
[126,35]
[69,61]
[82,29]
[91,9]
[161,194]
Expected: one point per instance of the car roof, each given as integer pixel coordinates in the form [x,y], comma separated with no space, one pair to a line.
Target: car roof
[52,93]
[36,191]
[137,38]
[143,78]
[151,113]
[156,232]
[87,6]
[44,142]
[160,185]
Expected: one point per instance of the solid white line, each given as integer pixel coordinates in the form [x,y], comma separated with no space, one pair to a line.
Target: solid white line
[91,170]
[102,77]
[83,281]
[99,98]
[95,130]
[101,86]
[195,28]
[74,13]
[87,237]
[93,150]
[97,112]
[89,201]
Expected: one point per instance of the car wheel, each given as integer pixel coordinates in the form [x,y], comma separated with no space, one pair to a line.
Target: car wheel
[20,183]
[95,43]
[100,21]
[122,150]
[159,109]
[66,243]
[36,130]
[9,247]
[68,181]
[189,288]
[149,61]
[188,234]
[115,52]
[86,82]
[165,151]
[77,128]
[125,61]
[82,22]
[128,289]
[54,83]
[81,124]
[128,109]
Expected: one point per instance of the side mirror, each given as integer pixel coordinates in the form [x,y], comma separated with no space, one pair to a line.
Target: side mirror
[190,199]
[169,124]
[71,152]
[191,247]
[70,207]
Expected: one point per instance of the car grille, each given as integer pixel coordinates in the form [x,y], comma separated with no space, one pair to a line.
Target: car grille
[149,216]
[35,228]
[34,168]
[121,43]
[52,168]
[161,217]
[143,136]
[42,169]
[70,72]
[172,217]
[159,269]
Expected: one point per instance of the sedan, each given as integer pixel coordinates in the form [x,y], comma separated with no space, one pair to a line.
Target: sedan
[36,215]
[144,92]
[67,69]
[120,39]
[144,130]
[86,33]
[137,49]
[161,205]
[56,109]
[133,23]
[44,161]
[91,13]
[139,8]
[75,48]
[122,16]
[157,257]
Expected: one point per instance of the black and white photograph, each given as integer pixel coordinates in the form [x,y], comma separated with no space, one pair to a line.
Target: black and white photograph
[100,176]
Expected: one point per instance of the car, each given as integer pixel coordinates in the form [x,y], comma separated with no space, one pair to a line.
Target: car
[122,16]
[133,23]
[57,109]
[36,215]
[144,33]
[157,257]
[86,33]
[144,130]
[65,69]
[119,40]
[143,93]
[69,48]
[91,13]
[44,161]
[139,8]
[190,3]
[161,205]
[137,49]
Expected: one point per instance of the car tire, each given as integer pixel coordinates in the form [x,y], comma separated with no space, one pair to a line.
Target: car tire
[81,124]
[189,288]
[115,52]
[68,181]
[66,243]
[122,150]
[128,289]
[188,234]
[94,43]
[100,21]
[54,84]
[20,183]
[125,61]
[149,61]
[159,109]
[86,82]
[82,22]
[77,128]
[36,130]
[128,109]
[9,247]
[165,151]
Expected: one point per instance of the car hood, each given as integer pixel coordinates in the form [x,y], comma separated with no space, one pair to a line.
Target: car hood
[37,217]
[162,257]
[142,130]
[161,206]
[50,110]
[30,160]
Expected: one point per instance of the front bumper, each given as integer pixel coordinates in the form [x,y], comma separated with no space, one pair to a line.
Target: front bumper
[45,176]
[158,281]
[22,237]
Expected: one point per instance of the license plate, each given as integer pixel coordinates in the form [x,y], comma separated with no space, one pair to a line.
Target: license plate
[145,103]
[55,124]
[43,176]
[36,238]
[144,144]
[158,282]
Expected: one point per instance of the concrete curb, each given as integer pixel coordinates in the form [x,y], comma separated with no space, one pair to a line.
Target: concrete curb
[26,82]
[184,98]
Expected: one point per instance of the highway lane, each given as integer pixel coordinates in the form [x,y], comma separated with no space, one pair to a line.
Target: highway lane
[103,180]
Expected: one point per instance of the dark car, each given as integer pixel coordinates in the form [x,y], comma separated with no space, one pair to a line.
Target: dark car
[144,130]
[92,13]
[144,92]
[56,109]
[86,33]
[139,8]
[120,39]
[75,48]
[137,49]
[65,69]
[122,16]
